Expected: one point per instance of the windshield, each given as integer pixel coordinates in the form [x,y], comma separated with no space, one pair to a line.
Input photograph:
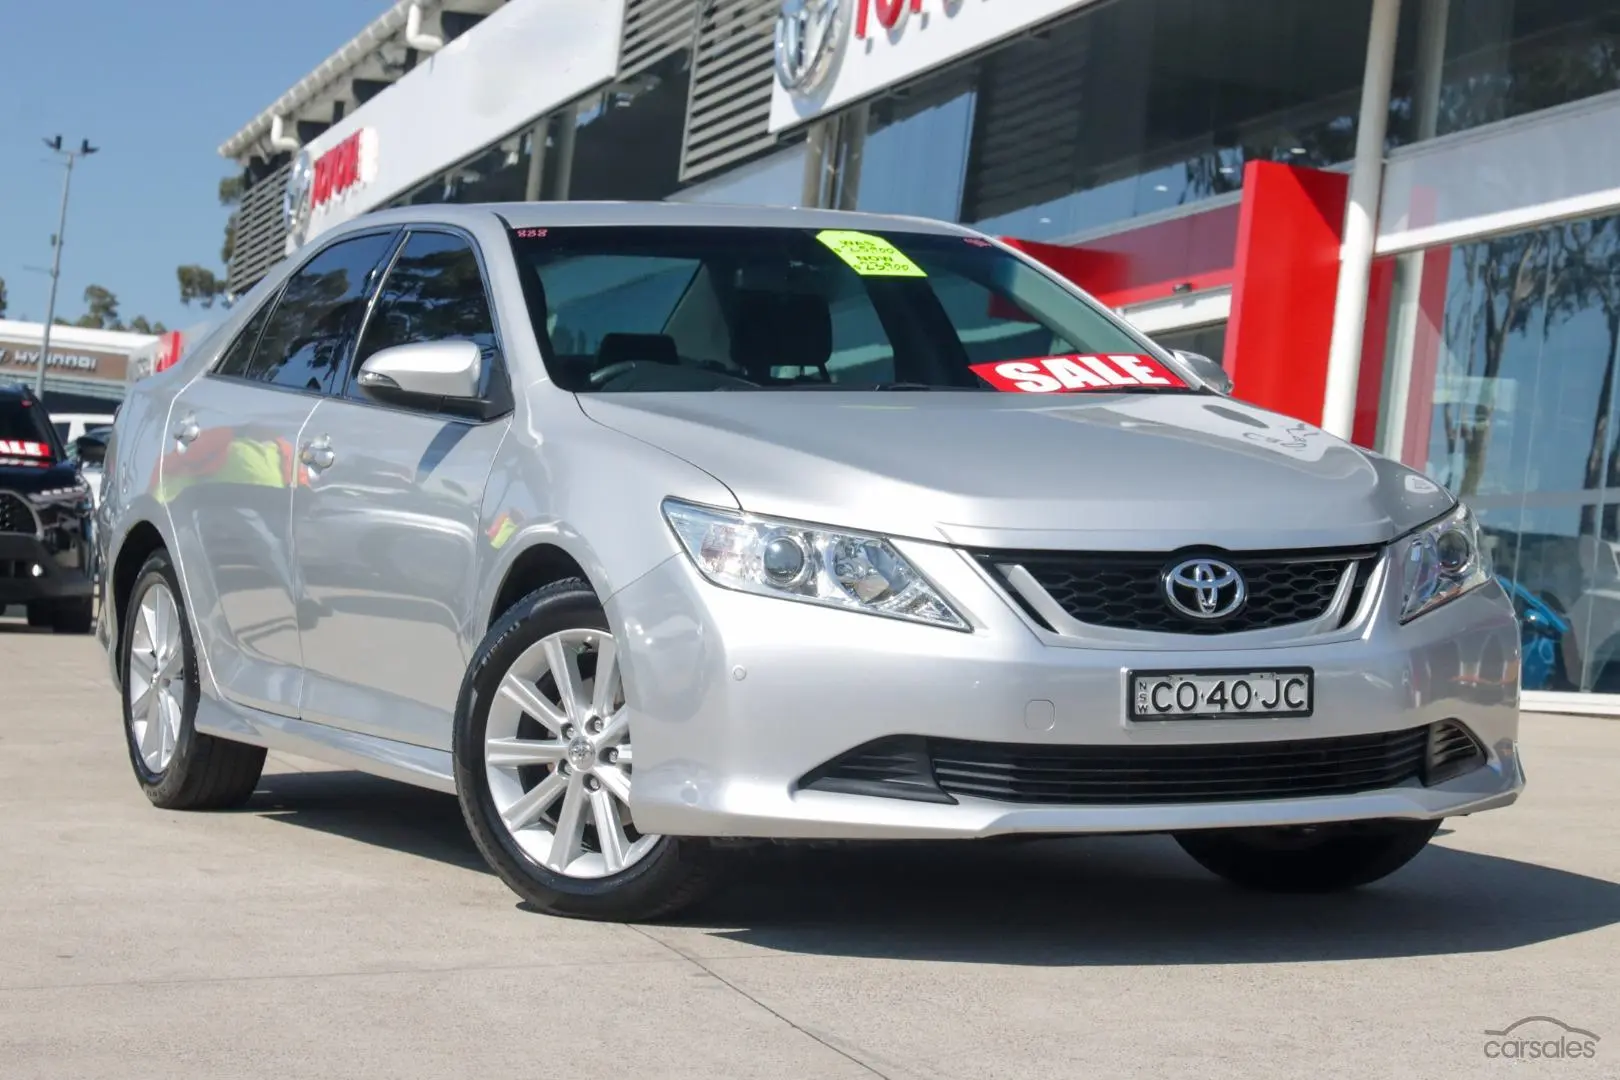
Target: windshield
[641,308]
[26,437]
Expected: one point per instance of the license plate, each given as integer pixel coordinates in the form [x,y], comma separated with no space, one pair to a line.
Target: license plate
[1217,695]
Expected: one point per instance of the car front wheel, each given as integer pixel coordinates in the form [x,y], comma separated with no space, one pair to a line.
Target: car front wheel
[1323,858]
[544,761]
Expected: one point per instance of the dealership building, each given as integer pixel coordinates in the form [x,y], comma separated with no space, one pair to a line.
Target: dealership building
[1397,218]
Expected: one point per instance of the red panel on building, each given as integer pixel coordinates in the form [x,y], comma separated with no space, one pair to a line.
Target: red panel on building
[1286,283]
[1374,345]
[1193,252]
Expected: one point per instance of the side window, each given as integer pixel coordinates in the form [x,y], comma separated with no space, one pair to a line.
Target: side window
[318,315]
[434,292]
[240,351]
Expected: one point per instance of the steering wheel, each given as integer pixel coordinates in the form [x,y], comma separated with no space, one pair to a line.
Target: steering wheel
[602,375]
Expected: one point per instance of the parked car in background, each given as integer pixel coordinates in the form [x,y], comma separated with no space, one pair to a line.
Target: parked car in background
[643,527]
[1542,628]
[90,451]
[69,426]
[46,558]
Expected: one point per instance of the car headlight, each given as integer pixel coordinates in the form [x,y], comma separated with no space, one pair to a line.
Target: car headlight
[1441,561]
[793,561]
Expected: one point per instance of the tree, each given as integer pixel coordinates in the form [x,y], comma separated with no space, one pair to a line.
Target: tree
[101,313]
[2,297]
[101,309]
[200,284]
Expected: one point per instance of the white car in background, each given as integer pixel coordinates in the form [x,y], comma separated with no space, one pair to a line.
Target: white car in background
[71,425]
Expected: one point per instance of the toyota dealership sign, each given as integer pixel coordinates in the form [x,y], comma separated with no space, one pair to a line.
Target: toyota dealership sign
[830,53]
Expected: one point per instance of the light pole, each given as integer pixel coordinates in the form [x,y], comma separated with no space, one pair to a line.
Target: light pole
[84,150]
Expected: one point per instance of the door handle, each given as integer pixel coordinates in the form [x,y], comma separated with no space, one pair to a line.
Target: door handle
[186,431]
[318,453]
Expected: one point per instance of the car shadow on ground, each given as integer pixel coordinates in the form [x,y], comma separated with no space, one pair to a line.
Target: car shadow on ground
[370,810]
[1092,901]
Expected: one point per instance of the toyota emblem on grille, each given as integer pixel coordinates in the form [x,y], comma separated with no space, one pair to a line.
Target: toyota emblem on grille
[1205,589]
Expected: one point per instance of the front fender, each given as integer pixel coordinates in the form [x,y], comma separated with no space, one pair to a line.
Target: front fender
[591,492]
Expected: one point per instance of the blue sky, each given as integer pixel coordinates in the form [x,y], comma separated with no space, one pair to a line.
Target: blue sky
[157,86]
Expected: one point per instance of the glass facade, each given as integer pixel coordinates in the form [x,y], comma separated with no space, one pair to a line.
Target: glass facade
[1474,62]
[915,151]
[1134,108]
[1209,340]
[1513,405]
[622,142]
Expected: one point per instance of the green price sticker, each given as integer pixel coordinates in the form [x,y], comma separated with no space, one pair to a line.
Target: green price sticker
[870,256]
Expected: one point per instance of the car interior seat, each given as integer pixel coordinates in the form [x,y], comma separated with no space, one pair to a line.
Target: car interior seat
[782,330]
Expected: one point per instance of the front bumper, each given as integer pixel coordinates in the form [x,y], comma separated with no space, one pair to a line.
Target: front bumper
[31,569]
[736,698]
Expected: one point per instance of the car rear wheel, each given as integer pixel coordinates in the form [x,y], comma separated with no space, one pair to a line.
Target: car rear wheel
[1324,858]
[177,767]
[544,761]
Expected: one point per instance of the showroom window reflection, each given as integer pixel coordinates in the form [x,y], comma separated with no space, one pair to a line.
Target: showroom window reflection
[1513,405]
[1132,109]
[1499,59]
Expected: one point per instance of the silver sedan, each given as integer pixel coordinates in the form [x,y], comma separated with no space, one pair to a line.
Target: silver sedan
[641,527]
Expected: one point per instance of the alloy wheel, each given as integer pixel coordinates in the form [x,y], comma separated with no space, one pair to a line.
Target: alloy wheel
[557,757]
[156,685]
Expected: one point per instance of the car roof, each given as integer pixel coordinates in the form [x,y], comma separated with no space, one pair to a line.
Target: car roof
[584,213]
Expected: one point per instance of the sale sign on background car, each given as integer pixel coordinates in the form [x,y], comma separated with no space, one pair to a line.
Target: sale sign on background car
[1062,374]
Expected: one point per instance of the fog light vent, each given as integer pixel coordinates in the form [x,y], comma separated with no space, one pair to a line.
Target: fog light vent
[1453,750]
[895,768]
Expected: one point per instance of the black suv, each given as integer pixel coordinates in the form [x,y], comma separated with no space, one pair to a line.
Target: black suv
[45,515]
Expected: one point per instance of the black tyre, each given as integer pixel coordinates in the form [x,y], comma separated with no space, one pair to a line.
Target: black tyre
[543,768]
[1326,858]
[177,767]
[76,616]
[41,614]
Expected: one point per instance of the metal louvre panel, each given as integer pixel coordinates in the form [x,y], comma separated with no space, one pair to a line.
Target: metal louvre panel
[1027,126]
[728,112]
[261,232]
[653,30]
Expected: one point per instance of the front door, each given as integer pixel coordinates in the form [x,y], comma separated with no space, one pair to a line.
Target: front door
[386,533]
[231,467]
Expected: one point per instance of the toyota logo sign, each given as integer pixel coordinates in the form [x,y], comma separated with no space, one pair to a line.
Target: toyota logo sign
[1205,589]
[810,35]
[295,199]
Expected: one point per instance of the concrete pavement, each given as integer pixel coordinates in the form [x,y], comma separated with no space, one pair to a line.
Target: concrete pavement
[345,927]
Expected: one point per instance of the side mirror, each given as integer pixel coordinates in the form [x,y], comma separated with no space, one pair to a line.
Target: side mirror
[1208,371]
[90,449]
[446,370]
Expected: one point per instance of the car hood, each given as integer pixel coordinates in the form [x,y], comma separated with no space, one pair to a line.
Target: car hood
[1118,471]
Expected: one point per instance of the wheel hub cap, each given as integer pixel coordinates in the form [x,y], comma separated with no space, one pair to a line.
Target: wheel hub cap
[558,760]
[580,753]
[155,687]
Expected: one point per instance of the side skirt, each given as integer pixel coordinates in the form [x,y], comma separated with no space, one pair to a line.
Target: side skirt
[405,762]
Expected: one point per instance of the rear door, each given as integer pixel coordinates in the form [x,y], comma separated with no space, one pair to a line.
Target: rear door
[386,533]
[231,465]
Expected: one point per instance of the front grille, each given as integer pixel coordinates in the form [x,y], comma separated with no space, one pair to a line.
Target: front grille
[918,767]
[1125,591]
[15,517]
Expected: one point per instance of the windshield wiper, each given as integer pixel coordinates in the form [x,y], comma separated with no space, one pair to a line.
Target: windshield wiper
[850,388]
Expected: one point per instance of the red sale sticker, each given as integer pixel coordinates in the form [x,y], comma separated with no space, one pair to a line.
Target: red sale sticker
[1065,374]
[15,448]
